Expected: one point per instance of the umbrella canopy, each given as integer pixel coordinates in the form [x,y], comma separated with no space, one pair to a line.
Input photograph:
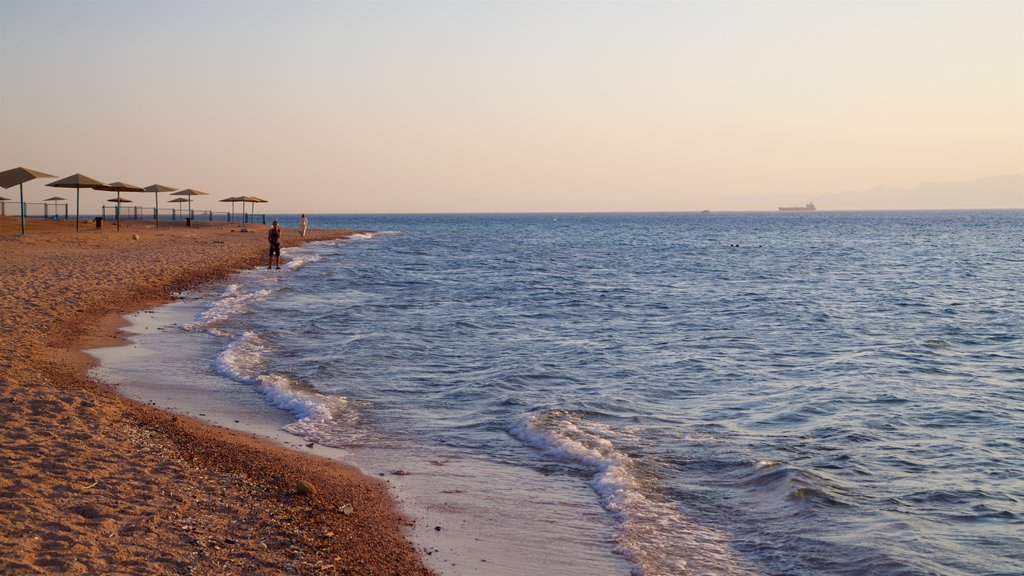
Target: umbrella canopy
[118,199]
[189,193]
[122,187]
[76,181]
[18,176]
[156,189]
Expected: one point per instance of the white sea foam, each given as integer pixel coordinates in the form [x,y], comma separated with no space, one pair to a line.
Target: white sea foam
[231,302]
[294,263]
[318,414]
[653,533]
[361,236]
[242,359]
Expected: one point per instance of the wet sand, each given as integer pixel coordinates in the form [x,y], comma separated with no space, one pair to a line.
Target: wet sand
[92,483]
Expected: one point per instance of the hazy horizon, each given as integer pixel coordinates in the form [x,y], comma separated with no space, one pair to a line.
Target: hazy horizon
[439,107]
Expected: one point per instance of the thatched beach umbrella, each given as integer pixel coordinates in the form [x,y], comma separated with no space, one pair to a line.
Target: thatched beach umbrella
[18,176]
[189,193]
[54,199]
[76,181]
[119,187]
[156,189]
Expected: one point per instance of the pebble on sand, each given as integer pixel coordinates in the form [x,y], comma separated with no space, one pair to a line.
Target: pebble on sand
[305,488]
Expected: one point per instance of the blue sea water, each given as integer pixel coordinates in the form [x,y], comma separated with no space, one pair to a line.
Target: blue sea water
[760,393]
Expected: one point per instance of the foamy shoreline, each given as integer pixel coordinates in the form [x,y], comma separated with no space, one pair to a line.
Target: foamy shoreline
[97,483]
[225,374]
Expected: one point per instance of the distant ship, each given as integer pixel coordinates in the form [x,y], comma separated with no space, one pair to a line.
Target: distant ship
[810,207]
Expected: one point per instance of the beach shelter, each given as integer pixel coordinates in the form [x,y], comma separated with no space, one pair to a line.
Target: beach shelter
[118,187]
[178,200]
[117,201]
[3,200]
[234,199]
[18,176]
[156,189]
[252,200]
[189,193]
[76,181]
[54,199]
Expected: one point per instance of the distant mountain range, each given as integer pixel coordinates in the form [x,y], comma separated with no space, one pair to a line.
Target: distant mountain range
[996,192]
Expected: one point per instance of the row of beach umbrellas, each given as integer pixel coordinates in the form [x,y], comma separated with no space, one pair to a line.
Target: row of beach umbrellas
[18,176]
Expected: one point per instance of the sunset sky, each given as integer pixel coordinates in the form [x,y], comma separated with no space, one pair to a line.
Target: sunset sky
[512,106]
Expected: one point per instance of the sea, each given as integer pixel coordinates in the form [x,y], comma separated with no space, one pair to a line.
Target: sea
[647,394]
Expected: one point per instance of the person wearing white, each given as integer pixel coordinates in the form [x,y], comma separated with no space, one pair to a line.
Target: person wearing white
[305,224]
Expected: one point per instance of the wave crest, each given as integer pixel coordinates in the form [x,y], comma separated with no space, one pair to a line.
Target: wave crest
[653,533]
[319,415]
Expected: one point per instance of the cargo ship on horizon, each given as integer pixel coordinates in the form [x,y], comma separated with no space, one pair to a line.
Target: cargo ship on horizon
[809,207]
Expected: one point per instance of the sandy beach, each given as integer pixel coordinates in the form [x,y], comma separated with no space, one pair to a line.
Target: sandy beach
[92,483]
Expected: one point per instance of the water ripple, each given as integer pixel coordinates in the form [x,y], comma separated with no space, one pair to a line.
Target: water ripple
[841,394]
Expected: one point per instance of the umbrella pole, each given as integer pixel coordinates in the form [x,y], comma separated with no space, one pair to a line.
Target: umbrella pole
[156,195]
[21,191]
[77,216]
[117,213]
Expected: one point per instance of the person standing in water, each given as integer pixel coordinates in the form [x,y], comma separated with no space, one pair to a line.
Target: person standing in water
[274,237]
[305,224]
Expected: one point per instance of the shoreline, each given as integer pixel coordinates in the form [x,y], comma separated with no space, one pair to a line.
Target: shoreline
[101,483]
[489,512]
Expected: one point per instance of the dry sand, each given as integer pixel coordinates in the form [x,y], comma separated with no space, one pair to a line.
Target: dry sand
[91,483]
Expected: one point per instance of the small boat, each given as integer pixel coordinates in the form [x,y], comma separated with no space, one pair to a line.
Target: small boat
[810,207]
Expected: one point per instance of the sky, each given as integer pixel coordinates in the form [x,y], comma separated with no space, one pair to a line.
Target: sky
[527,106]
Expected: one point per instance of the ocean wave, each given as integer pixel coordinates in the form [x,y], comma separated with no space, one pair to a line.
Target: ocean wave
[793,483]
[230,303]
[319,416]
[294,263]
[653,534]
[242,359]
